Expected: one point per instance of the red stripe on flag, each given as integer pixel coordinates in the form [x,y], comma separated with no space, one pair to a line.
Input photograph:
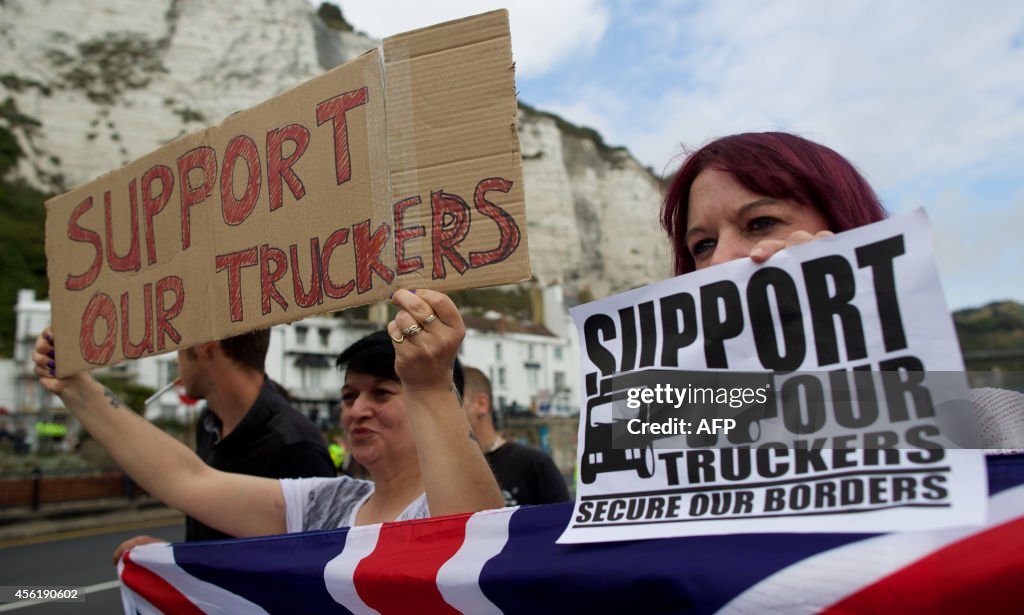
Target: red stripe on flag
[408,555]
[154,589]
[979,574]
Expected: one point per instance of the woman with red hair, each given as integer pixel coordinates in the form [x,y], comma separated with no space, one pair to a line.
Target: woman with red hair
[753,194]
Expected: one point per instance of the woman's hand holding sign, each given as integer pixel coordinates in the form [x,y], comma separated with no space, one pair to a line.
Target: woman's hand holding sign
[764,249]
[427,333]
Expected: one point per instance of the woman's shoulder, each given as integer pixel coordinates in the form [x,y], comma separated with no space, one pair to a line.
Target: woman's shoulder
[999,416]
[321,492]
[322,503]
[330,487]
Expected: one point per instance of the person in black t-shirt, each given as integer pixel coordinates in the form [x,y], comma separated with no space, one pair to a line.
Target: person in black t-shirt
[247,426]
[525,475]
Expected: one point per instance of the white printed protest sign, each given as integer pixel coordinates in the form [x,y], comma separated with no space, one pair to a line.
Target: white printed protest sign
[822,391]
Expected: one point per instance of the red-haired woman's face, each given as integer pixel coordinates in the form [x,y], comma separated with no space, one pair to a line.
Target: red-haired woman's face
[725,221]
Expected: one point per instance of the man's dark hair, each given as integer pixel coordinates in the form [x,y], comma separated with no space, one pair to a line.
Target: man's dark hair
[248,349]
[478,382]
[374,355]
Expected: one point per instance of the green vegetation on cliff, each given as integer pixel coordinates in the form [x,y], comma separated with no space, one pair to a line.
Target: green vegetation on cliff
[22,239]
[996,326]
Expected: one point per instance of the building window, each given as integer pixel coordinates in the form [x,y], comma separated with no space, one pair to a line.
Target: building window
[501,376]
[560,381]
[531,378]
[497,350]
[168,371]
[325,337]
[558,352]
[311,378]
[529,351]
[300,335]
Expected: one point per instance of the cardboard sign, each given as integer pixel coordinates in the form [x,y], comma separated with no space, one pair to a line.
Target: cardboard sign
[395,170]
[822,391]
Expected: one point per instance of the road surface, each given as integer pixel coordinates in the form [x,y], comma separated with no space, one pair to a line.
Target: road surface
[78,559]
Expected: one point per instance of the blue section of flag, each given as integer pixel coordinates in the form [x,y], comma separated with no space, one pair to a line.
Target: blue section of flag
[674,575]
[283,574]
[1004,471]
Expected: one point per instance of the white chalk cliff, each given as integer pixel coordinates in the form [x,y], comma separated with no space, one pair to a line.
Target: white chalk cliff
[89,86]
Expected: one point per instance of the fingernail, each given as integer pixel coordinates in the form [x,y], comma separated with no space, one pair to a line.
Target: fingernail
[51,365]
[758,252]
[50,354]
[52,372]
[48,338]
[412,290]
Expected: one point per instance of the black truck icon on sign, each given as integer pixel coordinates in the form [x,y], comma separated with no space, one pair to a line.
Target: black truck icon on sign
[606,415]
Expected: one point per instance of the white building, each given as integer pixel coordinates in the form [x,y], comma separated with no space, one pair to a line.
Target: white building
[31,317]
[532,366]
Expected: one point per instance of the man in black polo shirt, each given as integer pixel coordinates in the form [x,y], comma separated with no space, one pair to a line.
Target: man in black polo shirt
[247,427]
[525,475]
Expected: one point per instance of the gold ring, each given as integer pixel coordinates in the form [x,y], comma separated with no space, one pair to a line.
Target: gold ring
[411,331]
[429,319]
[397,340]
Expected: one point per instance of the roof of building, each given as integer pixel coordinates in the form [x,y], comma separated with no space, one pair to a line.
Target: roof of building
[493,322]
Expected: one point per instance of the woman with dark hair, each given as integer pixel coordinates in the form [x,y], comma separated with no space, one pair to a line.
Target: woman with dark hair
[753,194]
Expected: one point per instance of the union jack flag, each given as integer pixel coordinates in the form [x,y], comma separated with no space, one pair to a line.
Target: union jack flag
[507,561]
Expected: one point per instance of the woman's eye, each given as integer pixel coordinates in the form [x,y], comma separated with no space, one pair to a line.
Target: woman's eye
[762,223]
[702,246]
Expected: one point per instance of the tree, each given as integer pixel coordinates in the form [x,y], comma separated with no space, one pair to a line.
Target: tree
[22,239]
